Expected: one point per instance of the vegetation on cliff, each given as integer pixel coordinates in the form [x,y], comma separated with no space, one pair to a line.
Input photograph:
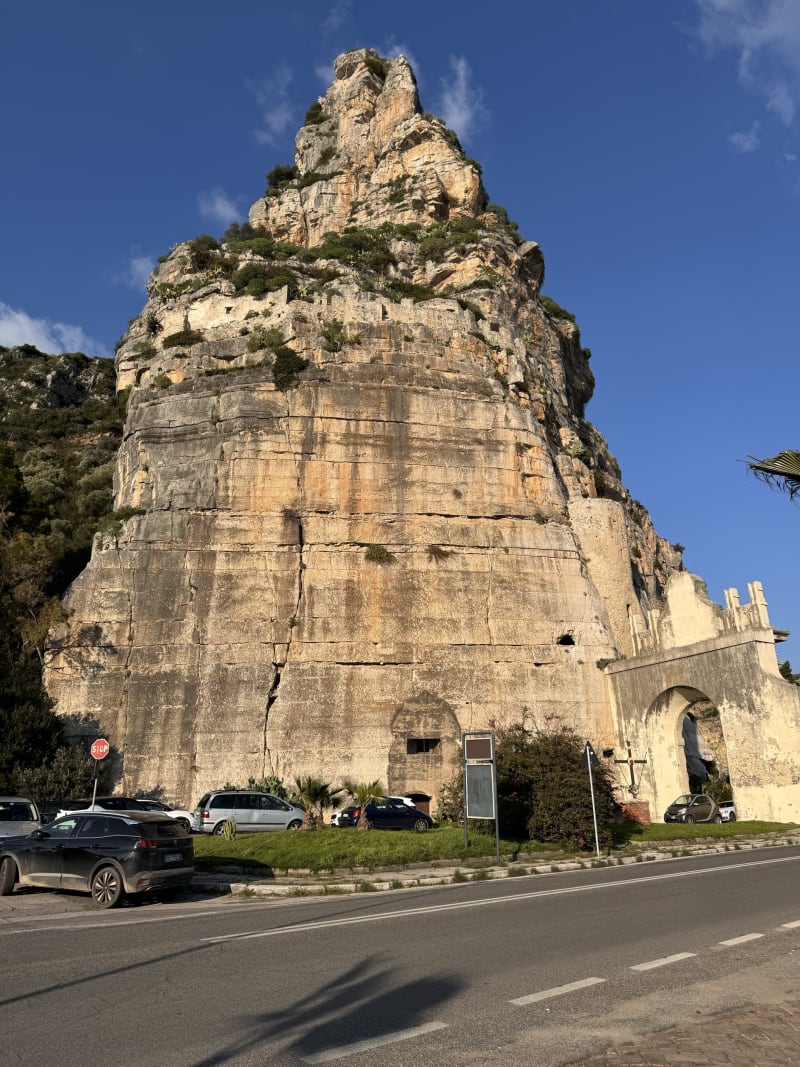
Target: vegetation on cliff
[60,427]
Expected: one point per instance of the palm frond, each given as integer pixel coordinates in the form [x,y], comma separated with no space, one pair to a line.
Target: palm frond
[781,472]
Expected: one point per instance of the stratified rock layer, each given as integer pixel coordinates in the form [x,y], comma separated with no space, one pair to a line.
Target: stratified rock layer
[417,534]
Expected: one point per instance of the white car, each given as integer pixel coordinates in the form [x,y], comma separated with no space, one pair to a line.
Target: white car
[179,814]
[128,804]
[727,810]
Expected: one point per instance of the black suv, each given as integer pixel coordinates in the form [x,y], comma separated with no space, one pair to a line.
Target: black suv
[107,854]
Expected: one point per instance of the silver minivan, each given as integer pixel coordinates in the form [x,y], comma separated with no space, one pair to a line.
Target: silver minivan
[250,809]
[18,816]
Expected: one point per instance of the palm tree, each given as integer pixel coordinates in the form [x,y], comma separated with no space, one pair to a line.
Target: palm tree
[316,795]
[364,793]
[781,471]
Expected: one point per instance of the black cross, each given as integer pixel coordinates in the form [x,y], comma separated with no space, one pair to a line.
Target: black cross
[634,789]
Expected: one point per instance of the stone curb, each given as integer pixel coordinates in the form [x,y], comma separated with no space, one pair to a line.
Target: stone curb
[230,881]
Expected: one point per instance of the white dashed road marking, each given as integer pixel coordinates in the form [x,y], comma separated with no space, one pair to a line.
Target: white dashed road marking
[364,1046]
[790,926]
[741,939]
[557,991]
[663,962]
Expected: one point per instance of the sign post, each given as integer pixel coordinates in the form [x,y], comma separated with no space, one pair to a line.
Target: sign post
[480,782]
[589,760]
[99,750]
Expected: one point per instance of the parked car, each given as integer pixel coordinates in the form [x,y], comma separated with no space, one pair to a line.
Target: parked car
[18,815]
[105,803]
[693,807]
[727,810]
[107,854]
[391,813]
[180,814]
[251,809]
[49,810]
[345,816]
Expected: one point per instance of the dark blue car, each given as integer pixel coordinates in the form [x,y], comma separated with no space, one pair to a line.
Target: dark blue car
[388,814]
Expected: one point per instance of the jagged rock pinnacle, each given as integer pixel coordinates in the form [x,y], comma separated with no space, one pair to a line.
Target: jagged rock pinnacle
[367,154]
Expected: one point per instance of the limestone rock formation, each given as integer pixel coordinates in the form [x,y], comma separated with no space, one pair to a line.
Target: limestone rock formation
[367,511]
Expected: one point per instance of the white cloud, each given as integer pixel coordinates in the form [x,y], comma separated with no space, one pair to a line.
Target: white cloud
[277,114]
[395,49]
[746,140]
[324,72]
[766,36]
[19,328]
[216,206]
[136,273]
[461,103]
[338,15]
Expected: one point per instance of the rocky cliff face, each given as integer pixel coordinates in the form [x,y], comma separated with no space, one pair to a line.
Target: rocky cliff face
[370,512]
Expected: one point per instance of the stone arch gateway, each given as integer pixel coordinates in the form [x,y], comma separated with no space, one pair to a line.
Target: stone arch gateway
[731,663]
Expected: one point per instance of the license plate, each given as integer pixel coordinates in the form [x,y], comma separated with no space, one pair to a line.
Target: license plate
[172,857]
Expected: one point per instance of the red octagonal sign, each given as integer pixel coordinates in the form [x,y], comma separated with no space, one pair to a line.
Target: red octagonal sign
[100,748]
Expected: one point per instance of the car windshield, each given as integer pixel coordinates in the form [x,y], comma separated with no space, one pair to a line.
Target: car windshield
[685,799]
[16,811]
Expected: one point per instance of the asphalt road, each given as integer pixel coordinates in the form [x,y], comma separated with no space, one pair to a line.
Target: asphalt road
[543,970]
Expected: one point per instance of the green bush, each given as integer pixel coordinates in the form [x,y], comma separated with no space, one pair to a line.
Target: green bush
[286,367]
[202,251]
[555,310]
[378,66]
[256,279]
[367,249]
[280,177]
[161,381]
[270,338]
[397,288]
[238,232]
[183,337]
[315,115]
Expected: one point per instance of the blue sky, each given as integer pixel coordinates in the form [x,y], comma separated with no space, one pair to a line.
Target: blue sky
[652,148]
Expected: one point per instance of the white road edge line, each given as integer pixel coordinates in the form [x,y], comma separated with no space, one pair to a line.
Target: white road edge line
[741,939]
[663,962]
[790,926]
[637,882]
[557,991]
[364,1046]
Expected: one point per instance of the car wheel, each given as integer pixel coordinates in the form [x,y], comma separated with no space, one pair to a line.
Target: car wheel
[185,825]
[732,817]
[420,825]
[219,829]
[295,824]
[106,887]
[8,876]
[718,817]
[688,818]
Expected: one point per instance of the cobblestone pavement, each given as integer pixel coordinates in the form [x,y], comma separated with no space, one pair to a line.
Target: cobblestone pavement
[751,1036]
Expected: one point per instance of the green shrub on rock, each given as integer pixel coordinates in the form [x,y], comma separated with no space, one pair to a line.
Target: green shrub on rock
[286,367]
[183,337]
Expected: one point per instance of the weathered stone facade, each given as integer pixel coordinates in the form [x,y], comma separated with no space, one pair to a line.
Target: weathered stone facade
[418,535]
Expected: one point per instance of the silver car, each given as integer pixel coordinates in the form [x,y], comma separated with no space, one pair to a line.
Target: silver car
[249,809]
[18,816]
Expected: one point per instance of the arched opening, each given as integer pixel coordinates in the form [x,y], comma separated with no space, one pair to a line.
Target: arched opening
[704,750]
[686,747]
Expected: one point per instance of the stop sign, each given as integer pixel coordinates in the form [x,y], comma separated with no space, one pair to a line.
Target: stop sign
[100,748]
